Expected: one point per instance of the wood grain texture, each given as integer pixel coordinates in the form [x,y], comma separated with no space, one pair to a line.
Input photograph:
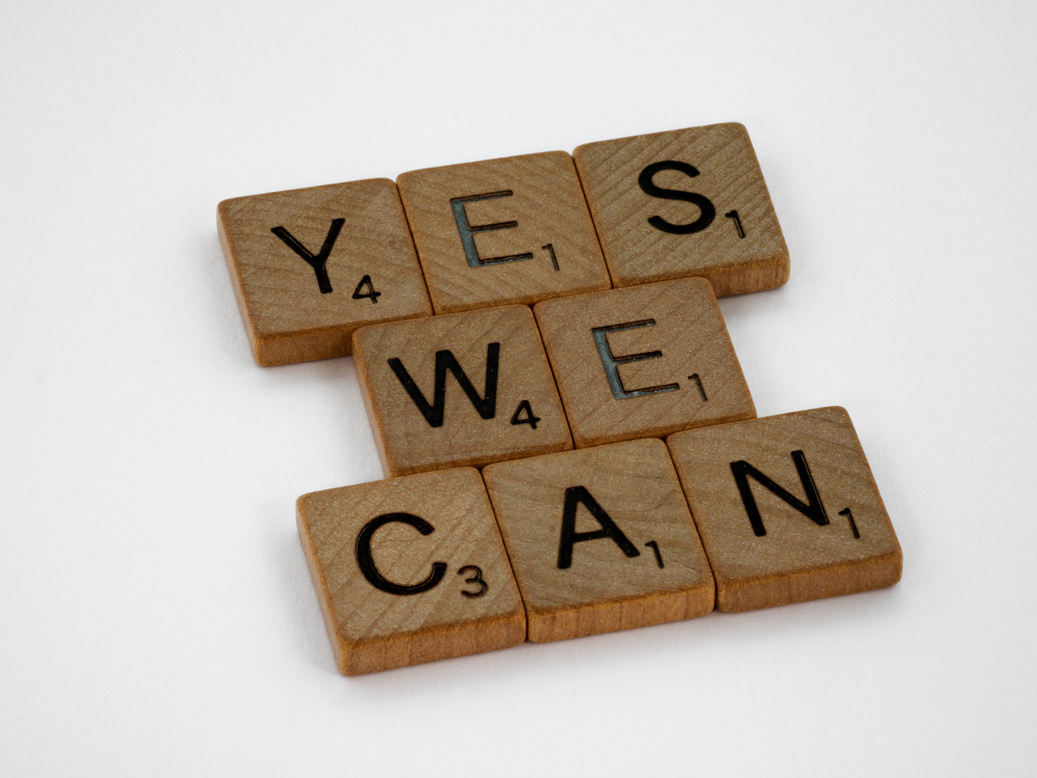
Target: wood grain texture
[747,256]
[465,611]
[673,363]
[536,201]
[493,424]
[614,581]
[287,315]
[797,558]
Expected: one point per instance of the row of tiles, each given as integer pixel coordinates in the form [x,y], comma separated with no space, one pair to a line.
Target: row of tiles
[311,265]
[453,562]
[471,388]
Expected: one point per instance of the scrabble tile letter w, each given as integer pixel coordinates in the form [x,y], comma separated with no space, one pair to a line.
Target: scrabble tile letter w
[461,389]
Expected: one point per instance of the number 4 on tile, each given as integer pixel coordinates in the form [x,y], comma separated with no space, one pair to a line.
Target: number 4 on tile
[524,415]
[359,293]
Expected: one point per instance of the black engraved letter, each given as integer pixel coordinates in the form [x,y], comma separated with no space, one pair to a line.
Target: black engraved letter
[366,561]
[812,508]
[708,212]
[467,231]
[317,262]
[611,362]
[575,495]
[445,360]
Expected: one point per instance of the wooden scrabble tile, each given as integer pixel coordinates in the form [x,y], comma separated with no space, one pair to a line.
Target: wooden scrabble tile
[512,230]
[600,540]
[643,361]
[684,203]
[460,389]
[787,509]
[410,570]
[311,265]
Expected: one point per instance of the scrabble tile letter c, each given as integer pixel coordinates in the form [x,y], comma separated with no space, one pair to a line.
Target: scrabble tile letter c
[410,570]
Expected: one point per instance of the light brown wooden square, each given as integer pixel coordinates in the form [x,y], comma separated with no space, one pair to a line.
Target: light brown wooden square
[690,376]
[526,417]
[648,569]
[797,558]
[372,270]
[538,205]
[737,243]
[433,533]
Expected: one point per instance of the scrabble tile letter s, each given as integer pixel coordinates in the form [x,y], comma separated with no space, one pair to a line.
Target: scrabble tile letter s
[684,203]
[410,570]
[311,265]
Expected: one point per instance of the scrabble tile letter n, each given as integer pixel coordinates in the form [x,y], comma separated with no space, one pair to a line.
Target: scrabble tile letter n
[410,570]
[311,265]
[787,509]
[513,230]
[685,203]
[600,539]
[459,389]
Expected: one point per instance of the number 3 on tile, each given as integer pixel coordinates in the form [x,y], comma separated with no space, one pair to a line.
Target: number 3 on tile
[476,579]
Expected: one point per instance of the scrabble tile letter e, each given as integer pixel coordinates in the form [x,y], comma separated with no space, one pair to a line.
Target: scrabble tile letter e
[501,231]
[643,361]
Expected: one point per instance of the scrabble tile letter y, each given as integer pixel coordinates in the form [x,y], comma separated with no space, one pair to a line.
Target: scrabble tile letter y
[311,265]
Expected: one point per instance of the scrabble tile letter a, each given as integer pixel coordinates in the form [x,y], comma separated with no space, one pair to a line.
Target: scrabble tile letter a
[463,389]
[502,231]
[600,539]
[684,203]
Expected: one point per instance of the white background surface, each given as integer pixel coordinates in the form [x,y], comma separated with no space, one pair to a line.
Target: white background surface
[156,615]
